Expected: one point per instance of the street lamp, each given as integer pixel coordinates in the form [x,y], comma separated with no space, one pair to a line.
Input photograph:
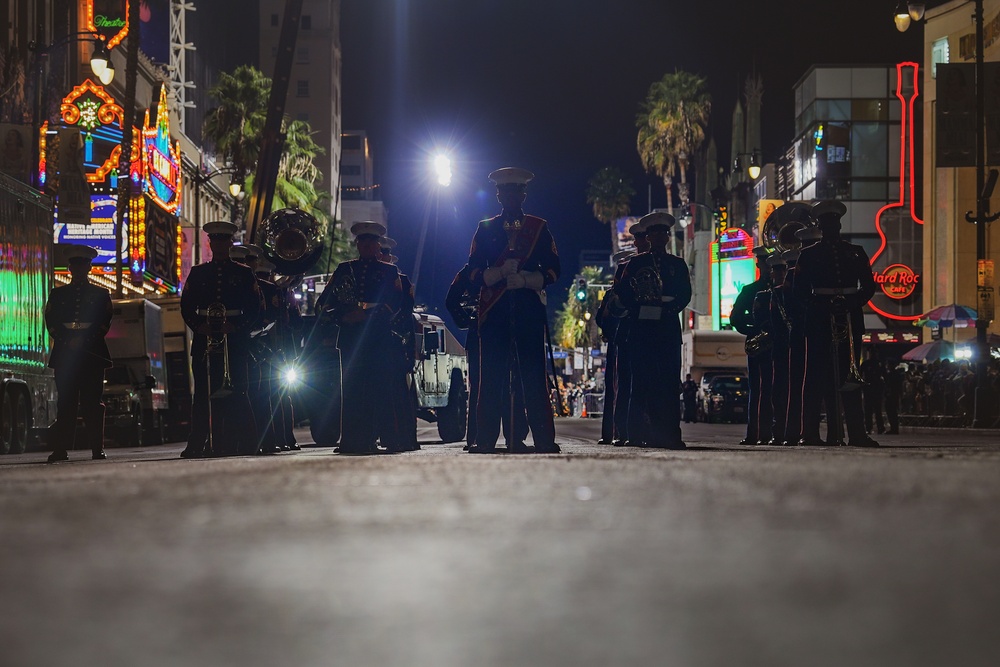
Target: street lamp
[441,167]
[753,169]
[983,414]
[235,187]
[100,65]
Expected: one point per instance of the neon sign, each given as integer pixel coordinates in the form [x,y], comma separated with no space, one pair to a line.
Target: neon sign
[897,281]
[892,268]
[108,18]
[162,162]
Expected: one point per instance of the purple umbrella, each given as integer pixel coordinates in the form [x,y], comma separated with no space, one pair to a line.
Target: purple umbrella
[952,315]
[932,351]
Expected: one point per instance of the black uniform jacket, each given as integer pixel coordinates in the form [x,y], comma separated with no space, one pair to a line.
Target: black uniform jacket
[742,316]
[462,300]
[638,288]
[489,243]
[231,284]
[834,265]
[78,312]
[364,284]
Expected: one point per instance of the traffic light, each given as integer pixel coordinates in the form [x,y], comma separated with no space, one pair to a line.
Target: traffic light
[581,289]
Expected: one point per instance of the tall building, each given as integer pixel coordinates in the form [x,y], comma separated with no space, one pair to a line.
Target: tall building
[314,93]
[359,192]
[949,185]
[855,142]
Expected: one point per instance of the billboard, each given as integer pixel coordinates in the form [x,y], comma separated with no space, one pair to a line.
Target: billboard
[100,233]
[732,266]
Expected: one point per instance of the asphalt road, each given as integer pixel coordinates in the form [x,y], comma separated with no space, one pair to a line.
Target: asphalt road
[718,555]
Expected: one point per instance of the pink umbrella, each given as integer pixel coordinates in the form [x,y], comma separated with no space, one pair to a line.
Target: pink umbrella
[932,351]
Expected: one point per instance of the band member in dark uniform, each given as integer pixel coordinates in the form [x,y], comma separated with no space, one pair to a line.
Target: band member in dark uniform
[77,317]
[873,392]
[607,323]
[796,312]
[462,302]
[834,279]
[655,287]
[742,320]
[623,364]
[512,260]
[281,347]
[259,369]
[221,303]
[777,327]
[402,436]
[689,396]
[364,295]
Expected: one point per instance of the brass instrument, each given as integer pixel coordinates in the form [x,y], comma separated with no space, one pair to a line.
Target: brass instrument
[215,314]
[779,229]
[841,330]
[292,240]
[758,344]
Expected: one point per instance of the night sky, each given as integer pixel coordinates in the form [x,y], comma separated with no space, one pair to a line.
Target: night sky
[554,86]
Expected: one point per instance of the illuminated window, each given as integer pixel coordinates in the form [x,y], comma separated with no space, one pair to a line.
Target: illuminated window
[939,54]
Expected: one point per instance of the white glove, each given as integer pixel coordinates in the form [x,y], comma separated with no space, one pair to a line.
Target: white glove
[515,281]
[492,276]
[533,280]
[509,267]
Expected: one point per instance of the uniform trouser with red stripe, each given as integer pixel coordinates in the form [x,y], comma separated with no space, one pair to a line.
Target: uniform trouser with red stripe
[796,377]
[760,399]
[610,377]
[521,345]
[779,390]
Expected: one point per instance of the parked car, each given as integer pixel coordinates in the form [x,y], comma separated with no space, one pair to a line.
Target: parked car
[705,380]
[725,399]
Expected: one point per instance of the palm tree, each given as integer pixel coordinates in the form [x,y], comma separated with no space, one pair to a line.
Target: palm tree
[671,124]
[610,192]
[234,127]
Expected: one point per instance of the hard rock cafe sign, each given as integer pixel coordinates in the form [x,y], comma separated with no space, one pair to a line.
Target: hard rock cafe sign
[897,281]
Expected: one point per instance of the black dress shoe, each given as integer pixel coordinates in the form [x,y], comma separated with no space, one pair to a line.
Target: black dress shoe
[271,449]
[618,442]
[517,448]
[479,449]
[604,441]
[99,455]
[189,453]
[867,442]
[466,447]
[550,448]
[746,442]
[293,446]
[57,456]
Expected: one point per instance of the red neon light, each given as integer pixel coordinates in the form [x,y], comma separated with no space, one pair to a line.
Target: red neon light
[905,144]
[897,281]
[118,36]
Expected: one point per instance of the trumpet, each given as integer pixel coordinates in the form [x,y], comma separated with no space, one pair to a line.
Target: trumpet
[842,330]
[216,315]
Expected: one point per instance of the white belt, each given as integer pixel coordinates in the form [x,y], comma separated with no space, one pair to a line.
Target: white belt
[77,326]
[227,313]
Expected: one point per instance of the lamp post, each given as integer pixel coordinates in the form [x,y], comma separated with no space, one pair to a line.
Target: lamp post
[984,413]
[201,178]
[753,167]
[442,177]
[100,65]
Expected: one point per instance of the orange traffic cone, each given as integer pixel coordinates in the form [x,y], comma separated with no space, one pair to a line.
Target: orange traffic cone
[584,413]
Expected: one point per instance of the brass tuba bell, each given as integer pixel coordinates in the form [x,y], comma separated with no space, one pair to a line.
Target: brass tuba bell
[291,240]
[778,231]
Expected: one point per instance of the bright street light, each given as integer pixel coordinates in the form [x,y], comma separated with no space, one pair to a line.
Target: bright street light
[442,167]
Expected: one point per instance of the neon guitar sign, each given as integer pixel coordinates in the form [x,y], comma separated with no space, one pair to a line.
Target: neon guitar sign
[897,264]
